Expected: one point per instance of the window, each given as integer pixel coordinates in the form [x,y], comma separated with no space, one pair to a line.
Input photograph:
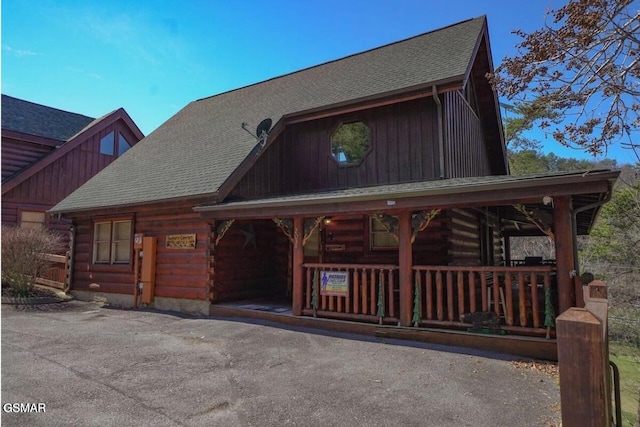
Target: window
[107,144]
[30,219]
[112,242]
[123,145]
[350,143]
[380,238]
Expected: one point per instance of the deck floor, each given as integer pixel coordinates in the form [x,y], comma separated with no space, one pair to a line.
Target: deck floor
[279,305]
[279,311]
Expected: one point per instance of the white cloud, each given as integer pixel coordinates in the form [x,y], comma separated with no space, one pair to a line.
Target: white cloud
[19,52]
[83,72]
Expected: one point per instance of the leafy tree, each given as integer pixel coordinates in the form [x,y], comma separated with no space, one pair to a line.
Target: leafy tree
[583,65]
[521,117]
[525,162]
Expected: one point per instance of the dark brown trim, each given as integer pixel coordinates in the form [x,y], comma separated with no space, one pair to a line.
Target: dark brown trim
[32,139]
[167,204]
[111,266]
[447,197]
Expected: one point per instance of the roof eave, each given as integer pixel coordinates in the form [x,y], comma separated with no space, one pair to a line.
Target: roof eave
[492,193]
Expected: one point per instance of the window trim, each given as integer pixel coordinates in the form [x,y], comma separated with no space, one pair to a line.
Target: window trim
[364,155]
[112,242]
[21,210]
[370,233]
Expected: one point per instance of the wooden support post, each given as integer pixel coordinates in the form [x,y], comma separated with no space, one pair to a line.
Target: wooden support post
[298,259]
[584,369]
[565,260]
[405,260]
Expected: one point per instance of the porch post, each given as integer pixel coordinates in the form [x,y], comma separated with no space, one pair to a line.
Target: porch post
[565,259]
[405,261]
[298,259]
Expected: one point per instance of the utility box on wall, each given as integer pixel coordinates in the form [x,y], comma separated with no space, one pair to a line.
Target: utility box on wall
[148,270]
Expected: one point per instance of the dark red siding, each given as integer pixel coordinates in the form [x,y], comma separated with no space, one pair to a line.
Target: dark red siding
[45,188]
[17,154]
[466,151]
[404,149]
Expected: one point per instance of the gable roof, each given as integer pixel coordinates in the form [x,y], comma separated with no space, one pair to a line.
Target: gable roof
[39,120]
[195,151]
[78,138]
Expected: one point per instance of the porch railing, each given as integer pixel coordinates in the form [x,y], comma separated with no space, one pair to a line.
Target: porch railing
[371,294]
[516,294]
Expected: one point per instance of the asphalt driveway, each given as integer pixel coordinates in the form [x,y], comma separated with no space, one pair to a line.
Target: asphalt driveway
[95,366]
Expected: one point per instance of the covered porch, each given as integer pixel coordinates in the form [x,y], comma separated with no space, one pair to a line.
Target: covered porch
[437,273]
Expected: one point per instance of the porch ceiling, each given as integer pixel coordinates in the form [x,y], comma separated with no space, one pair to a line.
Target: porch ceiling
[585,188]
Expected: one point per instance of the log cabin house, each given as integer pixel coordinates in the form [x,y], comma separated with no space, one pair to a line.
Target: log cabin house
[380,195]
[47,153]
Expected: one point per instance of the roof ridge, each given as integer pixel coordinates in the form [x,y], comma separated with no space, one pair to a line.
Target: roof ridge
[46,106]
[339,59]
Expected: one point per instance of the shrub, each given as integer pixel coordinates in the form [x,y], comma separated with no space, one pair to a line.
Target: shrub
[23,256]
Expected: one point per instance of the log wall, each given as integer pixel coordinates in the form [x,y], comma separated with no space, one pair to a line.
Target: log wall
[17,154]
[180,273]
[251,261]
[464,239]
[429,247]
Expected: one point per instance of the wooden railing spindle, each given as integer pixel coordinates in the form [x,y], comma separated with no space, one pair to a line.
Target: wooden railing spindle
[472,292]
[429,292]
[390,295]
[534,300]
[373,292]
[460,286]
[508,290]
[450,315]
[522,299]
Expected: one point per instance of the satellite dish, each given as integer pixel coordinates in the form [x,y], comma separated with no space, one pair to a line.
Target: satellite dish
[262,132]
[264,126]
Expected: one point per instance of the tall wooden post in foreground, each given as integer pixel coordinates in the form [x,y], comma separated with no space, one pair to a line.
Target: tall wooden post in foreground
[565,259]
[298,259]
[584,369]
[405,263]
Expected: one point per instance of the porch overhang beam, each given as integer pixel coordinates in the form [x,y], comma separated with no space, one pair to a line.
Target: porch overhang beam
[446,198]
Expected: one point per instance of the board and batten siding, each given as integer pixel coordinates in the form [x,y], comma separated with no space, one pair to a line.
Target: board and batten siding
[57,180]
[466,153]
[403,149]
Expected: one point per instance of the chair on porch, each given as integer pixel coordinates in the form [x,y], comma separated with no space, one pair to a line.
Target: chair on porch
[502,314]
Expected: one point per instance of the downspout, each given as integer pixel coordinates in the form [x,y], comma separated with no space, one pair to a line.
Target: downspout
[72,253]
[434,93]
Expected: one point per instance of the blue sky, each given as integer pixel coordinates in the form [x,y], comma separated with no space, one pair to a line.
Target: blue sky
[154,57]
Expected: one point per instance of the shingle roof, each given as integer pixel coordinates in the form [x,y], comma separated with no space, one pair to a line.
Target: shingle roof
[39,120]
[196,150]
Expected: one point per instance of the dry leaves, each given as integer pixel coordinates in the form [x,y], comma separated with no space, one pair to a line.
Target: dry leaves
[549,369]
